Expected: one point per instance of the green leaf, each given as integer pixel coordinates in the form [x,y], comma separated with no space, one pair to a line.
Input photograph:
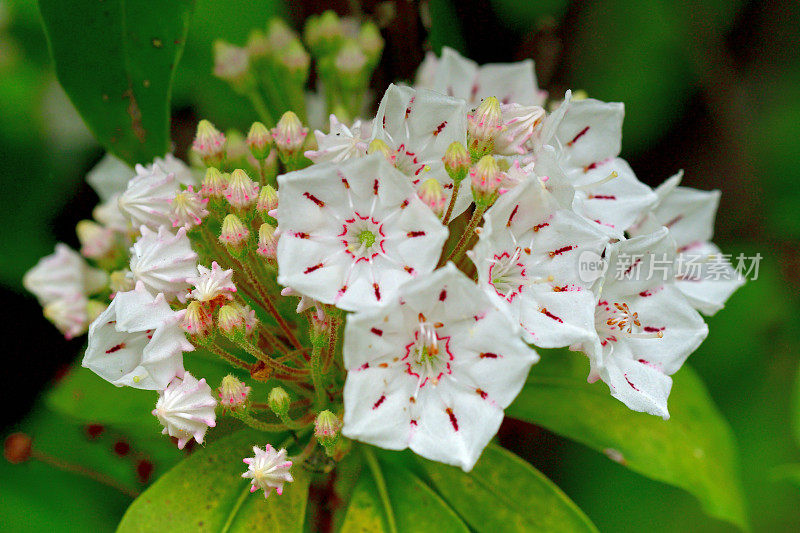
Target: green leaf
[116,60]
[414,505]
[206,492]
[694,450]
[505,493]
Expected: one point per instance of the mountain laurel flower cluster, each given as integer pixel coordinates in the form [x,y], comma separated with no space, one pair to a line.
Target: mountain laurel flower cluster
[391,278]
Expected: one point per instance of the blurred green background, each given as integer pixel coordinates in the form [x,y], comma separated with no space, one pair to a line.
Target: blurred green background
[712,87]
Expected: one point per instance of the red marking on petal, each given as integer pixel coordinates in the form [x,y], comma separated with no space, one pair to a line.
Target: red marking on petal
[404,204]
[602,197]
[412,234]
[116,348]
[578,136]
[548,314]
[413,422]
[512,215]
[375,187]
[453,419]
[537,227]
[379,402]
[409,269]
[314,199]
[439,128]
[312,268]
[653,329]
[488,355]
[628,270]
[301,235]
[673,221]
[376,331]
[645,294]
[443,295]
[377,290]
[587,168]
[631,384]
[561,250]
[346,183]
[482,393]
[364,366]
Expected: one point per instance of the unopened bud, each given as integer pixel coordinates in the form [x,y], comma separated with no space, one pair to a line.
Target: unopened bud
[456,162]
[214,184]
[97,242]
[232,64]
[483,126]
[279,34]
[324,33]
[486,178]
[197,320]
[267,200]
[371,42]
[121,281]
[326,429]
[295,59]
[234,233]
[259,140]
[267,241]
[235,320]
[432,194]
[209,143]
[257,45]
[350,60]
[289,135]
[233,393]
[320,325]
[279,401]
[241,191]
[378,145]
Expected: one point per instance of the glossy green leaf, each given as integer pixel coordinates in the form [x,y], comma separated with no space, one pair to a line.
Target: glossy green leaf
[206,492]
[414,505]
[694,450]
[116,60]
[505,493]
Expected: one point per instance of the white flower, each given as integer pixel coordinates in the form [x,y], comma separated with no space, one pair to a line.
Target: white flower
[69,314]
[211,284]
[268,469]
[341,142]
[418,126]
[109,177]
[137,341]
[519,125]
[186,409]
[111,216]
[172,165]
[704,276]
[645,327]
[146,201]
[351,233]
[606,189]
[64,273]
[527,258]
[432,371]
[426,73]
[163,262]
[97,241]
[463,78]
[188,208]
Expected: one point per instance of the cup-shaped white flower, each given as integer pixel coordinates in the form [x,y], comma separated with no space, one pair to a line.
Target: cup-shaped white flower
[528,258]
[460,77]
[146,201]
[703,274]
[268,469]
[351,233]
[163,262]
[69,314]
[432,370]
[212,284]
[64,273]
[137,341]
[186,409]
[109,177]
[341,142]
[645,327]
[607,191]
[418,126]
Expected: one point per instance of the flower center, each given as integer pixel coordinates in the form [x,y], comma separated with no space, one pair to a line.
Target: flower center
[428,355]
[508,276]
[614,320]
[367,238]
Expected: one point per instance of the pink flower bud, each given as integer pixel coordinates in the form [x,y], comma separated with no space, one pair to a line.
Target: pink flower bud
[486,178]
[209,143]
[234,233]
[241,191]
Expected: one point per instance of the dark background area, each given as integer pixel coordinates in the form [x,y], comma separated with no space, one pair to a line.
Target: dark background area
[711,87]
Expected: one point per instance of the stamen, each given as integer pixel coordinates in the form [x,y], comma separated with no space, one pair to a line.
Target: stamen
[598,182]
